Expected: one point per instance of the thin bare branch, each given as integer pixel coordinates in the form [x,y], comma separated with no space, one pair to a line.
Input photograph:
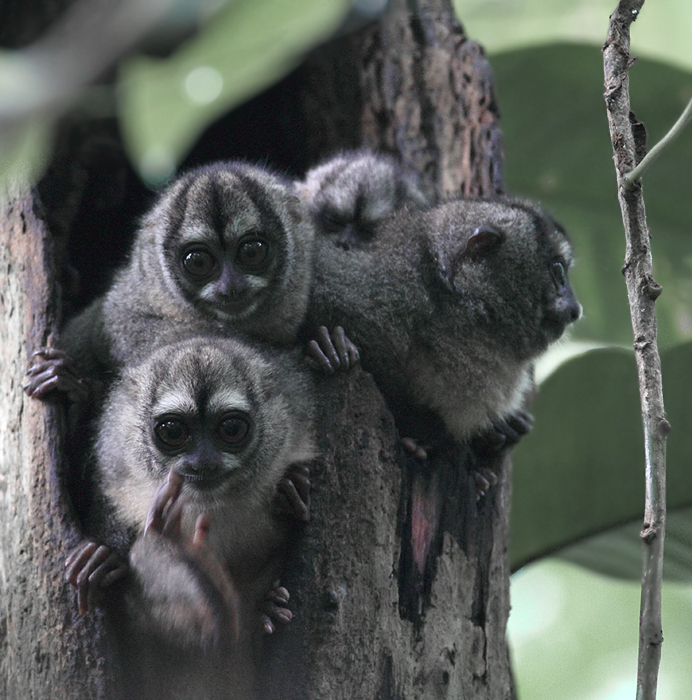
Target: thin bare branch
[627,137]
[656,151]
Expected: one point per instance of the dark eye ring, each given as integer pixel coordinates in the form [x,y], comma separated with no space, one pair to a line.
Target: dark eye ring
[252,253]
[558,273]
[233,430]
[171,433]
[199,262]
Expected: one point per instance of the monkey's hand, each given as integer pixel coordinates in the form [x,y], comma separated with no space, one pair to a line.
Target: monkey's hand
[504,434]
[203,608]
[53,371]
[332,351]
[273,608]
[293,493]
[492,444]
[91,568]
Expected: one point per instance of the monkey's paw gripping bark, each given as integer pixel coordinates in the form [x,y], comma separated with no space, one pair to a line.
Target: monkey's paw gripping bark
[505,433]
[293,494]
[91,568]
[492,444]
[53,371]
[273,608]
[332,351]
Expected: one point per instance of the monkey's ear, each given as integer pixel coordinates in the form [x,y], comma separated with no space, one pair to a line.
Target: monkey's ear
[484,240]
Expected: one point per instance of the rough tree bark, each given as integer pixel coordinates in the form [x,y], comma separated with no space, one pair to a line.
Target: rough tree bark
[367,624]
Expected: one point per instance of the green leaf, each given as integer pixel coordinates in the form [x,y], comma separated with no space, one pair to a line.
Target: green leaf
[581,470]
[618,552]
[558,151]
[661,32]
[244,48]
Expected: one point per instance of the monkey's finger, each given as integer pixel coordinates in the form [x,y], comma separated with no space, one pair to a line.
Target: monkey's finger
[299,507]
[299,474]
[341,348]
[51,354]
[99,576]
[354,355]
[267,624]
[172,520]
[170,490]
[85,597]
[414,448]
[76,560]
[202,527]
[324,338]
[42,384]
[278,595]
[521,422]
[115,574]
[276,613]
[482,485]
[314,351]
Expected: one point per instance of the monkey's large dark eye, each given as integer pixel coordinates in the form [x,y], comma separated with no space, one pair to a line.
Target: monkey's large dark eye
[199,263]
[557,271]
[233,430]
[252,253]
[171,433]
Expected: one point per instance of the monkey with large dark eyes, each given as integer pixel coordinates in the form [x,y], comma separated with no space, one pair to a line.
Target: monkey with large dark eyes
[351,193]
[449,308]
[227,248]
[191,447]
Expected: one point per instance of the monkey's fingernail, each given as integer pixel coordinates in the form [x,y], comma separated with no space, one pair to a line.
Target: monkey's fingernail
[284,615]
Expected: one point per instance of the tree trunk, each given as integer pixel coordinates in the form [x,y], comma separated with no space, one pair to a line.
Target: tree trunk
[46,650]
[367,623]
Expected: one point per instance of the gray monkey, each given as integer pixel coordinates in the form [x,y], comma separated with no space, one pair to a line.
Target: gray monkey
[351,193]
[191,447]
[449,308]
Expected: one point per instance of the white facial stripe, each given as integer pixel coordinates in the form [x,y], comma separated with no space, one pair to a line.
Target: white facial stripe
[227,399]
[175,401]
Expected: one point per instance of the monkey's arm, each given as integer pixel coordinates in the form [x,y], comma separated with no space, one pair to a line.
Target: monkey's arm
[181,591]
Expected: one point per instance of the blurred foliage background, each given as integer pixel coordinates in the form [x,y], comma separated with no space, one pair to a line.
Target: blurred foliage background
[578,479]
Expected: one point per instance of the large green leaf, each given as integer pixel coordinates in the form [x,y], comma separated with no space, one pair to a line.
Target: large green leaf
[558,151]
[581,470]
[618,552]
[245,48]
[661,33]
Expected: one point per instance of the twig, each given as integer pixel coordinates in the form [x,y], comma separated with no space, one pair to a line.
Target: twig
[656,151]
[627,140]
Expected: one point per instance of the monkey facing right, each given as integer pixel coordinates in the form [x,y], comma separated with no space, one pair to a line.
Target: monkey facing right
[192,445]
[449,307]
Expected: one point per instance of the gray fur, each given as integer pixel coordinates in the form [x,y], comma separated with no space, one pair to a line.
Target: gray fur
[352,192]
[153,297]
[448,324]
[200,380]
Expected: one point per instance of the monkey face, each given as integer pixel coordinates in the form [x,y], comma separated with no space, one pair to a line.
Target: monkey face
[229,239]
[506,264]
[226,416]
[353,192]
[205,452]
